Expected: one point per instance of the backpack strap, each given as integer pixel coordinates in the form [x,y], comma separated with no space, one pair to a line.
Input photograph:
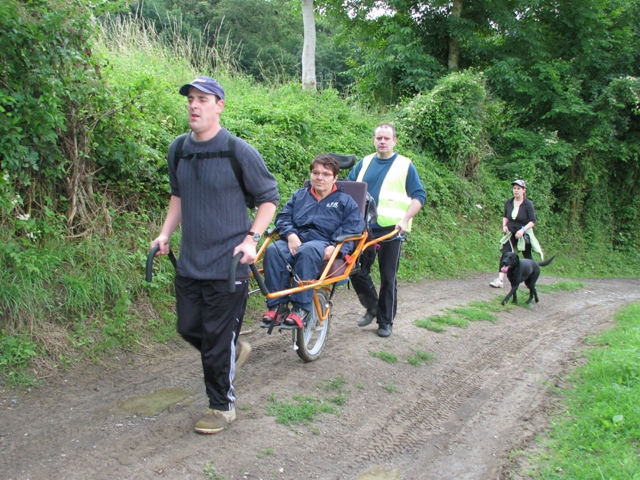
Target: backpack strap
[177,153]
[230,154]
[235,165]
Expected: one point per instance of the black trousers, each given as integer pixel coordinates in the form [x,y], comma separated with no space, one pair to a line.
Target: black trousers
[512,246]
[210,319]
[388,254]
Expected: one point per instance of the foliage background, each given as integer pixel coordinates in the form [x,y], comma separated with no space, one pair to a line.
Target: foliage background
[88,103]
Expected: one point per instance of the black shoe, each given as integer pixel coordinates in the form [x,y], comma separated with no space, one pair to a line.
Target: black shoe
[367,318]
[384,331]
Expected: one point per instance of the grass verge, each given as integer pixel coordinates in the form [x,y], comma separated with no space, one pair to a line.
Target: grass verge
[599,434]
[419,357]
[560,287]
[385,356]
[461,316]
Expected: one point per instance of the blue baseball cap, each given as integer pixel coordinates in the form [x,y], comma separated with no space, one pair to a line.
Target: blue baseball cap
[204,84]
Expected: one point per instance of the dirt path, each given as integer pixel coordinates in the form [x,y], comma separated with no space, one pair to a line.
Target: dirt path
[485,393]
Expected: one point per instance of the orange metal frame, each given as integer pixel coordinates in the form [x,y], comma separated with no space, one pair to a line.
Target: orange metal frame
[327,277]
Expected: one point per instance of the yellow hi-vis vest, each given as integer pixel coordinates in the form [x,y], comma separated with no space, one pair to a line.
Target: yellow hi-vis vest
[393,201]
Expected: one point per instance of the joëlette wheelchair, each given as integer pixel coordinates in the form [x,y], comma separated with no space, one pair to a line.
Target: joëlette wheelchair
[309,341]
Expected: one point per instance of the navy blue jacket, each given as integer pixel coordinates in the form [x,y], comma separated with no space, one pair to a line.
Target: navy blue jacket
[323,220]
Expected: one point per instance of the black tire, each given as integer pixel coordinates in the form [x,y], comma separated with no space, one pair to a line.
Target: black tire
[311,339]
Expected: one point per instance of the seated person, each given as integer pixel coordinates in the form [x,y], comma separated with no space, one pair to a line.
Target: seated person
[308,225]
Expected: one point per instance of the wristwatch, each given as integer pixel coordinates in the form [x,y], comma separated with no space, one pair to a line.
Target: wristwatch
[256,236]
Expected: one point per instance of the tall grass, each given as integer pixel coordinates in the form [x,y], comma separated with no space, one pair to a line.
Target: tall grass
[80,298]
[128,37]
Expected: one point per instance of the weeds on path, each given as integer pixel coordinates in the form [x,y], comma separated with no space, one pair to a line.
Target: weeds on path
[483,310]
[304,408]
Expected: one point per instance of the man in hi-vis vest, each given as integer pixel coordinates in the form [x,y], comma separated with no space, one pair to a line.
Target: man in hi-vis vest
[394,184]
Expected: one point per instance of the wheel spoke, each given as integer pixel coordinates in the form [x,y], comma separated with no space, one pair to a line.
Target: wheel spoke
[312,338]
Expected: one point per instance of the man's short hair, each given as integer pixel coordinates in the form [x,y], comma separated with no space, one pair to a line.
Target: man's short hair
[385,125]
[326,161]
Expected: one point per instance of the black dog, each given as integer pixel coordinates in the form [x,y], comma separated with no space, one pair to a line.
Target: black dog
[519,271]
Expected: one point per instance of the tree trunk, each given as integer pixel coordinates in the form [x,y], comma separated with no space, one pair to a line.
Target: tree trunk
[454,47]
[309,47]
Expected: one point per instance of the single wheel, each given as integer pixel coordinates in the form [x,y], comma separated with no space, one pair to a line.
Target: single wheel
[310,340]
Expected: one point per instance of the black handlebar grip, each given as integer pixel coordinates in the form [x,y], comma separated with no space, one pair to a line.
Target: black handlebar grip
[152,254]
[258,277]
[232,271]
[256,274]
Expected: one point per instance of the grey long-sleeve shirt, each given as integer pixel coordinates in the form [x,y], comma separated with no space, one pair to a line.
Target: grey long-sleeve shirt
[214,213]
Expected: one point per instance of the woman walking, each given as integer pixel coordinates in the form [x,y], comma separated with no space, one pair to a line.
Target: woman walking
[518,220]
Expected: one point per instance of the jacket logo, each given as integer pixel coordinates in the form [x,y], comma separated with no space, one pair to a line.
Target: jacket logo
[332,205]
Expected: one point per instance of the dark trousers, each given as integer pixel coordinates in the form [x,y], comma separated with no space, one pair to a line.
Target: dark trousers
[306,265]
[388,263]
[512,246]
[210,319]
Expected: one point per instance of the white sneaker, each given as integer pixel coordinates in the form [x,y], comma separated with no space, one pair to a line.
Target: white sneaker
[497,283]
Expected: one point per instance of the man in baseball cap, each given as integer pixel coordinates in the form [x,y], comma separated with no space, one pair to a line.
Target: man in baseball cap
[204,84]
[208,202]
[206,103]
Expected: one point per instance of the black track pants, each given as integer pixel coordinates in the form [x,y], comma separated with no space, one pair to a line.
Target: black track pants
[210,319]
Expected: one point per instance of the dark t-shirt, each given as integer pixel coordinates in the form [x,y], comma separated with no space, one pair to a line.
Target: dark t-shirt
[214,213]
[526,214]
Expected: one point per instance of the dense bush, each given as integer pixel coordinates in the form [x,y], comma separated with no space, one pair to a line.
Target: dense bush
[453,122]
[48,80]
[71,143]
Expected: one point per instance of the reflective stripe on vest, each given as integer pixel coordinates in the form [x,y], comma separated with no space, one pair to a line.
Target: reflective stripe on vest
[393,200]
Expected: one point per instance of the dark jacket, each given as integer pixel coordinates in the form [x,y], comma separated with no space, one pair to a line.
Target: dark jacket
[526,214]
[324,220]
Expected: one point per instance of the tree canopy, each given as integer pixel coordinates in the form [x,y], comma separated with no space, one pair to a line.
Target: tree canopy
[543,89]
[554,65]
[265,36]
